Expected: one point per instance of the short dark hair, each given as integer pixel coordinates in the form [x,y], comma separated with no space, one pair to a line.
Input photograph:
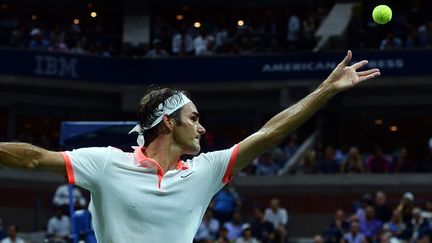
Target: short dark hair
[148,110]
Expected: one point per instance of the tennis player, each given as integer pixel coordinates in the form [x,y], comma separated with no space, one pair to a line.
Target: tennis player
[151,195]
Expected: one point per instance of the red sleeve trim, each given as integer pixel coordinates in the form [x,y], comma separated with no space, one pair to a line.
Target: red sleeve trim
[227,176]
[69,169]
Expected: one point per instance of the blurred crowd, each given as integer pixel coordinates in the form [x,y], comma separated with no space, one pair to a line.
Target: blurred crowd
[59,226]
[272,32]
[410,27]
[261,30]
[377,220]
[371,219]
[266,30]
[90,39]
[322,159]
[225,221]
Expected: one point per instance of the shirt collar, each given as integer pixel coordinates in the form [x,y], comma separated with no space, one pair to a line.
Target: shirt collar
[146,161]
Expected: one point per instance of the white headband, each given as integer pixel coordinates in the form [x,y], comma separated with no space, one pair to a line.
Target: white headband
[169,106]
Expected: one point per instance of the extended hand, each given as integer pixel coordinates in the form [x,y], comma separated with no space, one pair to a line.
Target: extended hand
[344,77]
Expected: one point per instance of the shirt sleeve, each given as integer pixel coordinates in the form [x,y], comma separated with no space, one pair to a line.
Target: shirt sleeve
[284,217]
[85,166]
[50,227]
[222,163]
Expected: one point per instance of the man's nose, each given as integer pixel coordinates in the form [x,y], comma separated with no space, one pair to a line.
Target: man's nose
[201,129]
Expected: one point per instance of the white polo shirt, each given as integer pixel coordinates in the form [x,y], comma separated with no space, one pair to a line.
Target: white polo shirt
[132,201]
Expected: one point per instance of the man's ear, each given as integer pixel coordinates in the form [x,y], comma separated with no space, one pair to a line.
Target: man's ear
[168,121]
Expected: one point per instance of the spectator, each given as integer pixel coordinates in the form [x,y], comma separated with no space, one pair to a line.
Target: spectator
[427,210]
[2,232]
[425,165]
[308,164]
[80,46]
[382,211]
[211,46]
[405,207]
[417,227]
[371,226]
[329,165]
[356,30]
[208,228]
[425,238]
[412,39]
[318,239]
[266,165]
[182,43]
[354,235]
[396,226]
[59,44]
[234,226]
[340,155]
[278,217]
[308,31]
[353,163]
[201,43]
[386,237]
[262,229]
[38,41]
[378,163]
[12,235]
[293,30]
[61,198]
[279,156]
[274,46]
[424,34]
[404,163]
[223,236]
[359,207]
[291,145]
[157,50]
[391,42]
[335,231]
[246,236]
[83,226]
[226,202]
[319,148]
[245,42]
[58,228]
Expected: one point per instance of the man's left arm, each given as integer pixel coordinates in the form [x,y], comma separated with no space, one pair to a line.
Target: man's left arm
[277,128]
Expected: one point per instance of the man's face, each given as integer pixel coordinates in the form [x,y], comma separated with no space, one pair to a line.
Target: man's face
[188,134]
[380,199]
[370,212]
[274,204]
[354,227]
[11,231]
[340,215]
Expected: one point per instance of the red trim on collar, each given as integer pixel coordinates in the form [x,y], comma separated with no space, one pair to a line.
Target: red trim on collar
[141,158]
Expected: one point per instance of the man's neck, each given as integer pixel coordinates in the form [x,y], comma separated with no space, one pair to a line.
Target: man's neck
[165,152]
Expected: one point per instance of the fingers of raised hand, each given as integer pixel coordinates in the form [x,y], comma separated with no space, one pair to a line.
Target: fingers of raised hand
[360,64]
[368,74]
[346,60]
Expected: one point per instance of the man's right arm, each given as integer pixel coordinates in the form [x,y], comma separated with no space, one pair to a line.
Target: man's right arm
[27,156]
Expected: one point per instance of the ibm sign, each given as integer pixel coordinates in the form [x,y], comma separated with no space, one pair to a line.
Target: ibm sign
[55,66]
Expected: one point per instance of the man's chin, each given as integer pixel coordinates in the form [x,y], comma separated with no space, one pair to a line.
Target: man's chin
[194,151]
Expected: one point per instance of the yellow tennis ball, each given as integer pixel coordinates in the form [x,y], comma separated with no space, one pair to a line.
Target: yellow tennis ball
[382,14]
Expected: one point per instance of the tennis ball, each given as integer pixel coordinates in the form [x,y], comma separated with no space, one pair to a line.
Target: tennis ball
[382,14]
